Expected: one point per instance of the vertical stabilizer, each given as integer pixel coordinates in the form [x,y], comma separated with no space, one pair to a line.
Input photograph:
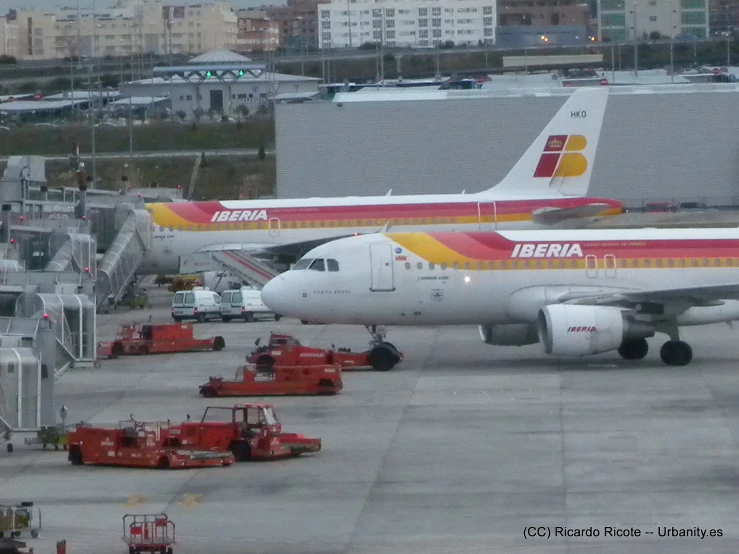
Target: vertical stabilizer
[560,161]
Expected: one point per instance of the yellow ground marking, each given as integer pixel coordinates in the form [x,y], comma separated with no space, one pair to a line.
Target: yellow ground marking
[191,500]
[135,500]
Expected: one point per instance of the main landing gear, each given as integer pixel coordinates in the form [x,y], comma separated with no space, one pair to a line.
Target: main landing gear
[674,352]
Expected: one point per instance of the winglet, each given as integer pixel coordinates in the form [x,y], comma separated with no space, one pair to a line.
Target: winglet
[560,161]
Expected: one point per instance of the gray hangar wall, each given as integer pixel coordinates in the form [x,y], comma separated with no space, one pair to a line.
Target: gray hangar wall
[653,146]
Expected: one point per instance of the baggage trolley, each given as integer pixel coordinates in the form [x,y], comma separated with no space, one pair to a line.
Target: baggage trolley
[14,520]
[148,533]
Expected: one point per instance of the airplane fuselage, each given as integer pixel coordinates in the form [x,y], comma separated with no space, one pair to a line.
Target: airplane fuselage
[502,278]
[180,229]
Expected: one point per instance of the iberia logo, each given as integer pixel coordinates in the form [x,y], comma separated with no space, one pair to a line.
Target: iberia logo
[562,157]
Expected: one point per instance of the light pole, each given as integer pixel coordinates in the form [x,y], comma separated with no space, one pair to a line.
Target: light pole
[613,55]
[672,46]
[349,15]
[636,47]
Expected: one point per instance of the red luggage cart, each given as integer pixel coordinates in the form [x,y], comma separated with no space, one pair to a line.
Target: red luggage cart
[148,533]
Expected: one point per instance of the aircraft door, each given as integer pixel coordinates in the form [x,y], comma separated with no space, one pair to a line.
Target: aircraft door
[591,266]
[381,264]
[274,227]
[609,265]
[487,216]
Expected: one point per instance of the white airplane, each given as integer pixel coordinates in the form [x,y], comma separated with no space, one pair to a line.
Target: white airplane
[547,186]
[576,292]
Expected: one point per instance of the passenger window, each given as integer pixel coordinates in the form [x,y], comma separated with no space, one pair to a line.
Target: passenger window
[467,265]
[318,265]
[431,265]
[419,265]
[333,265]
[455,265]
[302,264]
[443,265]
[407,265]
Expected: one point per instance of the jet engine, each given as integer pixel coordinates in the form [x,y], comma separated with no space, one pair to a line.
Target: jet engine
[517,334]
[568,330]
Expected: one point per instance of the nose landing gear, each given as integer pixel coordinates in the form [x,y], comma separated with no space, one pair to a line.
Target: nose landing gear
[383,355]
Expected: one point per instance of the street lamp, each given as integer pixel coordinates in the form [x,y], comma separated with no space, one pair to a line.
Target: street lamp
[672,45]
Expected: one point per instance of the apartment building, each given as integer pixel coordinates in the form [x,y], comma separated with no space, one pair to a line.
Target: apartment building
[723,16]
[298,22]
[645,19]
[131,26]
[257,32]
[406,23]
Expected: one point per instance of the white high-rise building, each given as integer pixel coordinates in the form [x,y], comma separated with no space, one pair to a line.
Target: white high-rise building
[651,19]
[420,23]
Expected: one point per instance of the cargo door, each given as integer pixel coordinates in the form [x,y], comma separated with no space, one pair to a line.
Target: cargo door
[487,216]
[381,264]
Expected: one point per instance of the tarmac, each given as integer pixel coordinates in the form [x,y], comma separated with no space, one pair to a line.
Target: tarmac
[460,449]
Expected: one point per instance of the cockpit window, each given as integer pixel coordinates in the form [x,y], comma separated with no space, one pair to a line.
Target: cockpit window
[303,264]
[333,265]
[318,265]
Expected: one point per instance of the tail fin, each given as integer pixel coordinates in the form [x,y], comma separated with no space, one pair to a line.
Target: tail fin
[560,160]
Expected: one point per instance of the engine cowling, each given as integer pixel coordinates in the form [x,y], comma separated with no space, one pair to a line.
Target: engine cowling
[518,334]
[567,330]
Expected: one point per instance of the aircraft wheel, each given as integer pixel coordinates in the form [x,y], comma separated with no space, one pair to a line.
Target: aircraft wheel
[633,349]
[676,352]
[382,358]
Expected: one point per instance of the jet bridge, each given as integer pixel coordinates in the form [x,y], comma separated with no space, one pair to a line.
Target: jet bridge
[118,267]
[239,263]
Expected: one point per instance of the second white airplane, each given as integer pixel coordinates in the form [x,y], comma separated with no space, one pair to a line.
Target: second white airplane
[576,292]
[548,185]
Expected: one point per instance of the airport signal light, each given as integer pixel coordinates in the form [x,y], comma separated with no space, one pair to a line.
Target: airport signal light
[241,72]
[207,73]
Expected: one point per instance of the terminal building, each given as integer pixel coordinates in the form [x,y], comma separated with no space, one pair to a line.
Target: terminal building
[661,142]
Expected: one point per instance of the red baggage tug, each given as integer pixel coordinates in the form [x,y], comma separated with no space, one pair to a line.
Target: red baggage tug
[139,444]
[286,350]
[147,338]
[251,380]
[249,431]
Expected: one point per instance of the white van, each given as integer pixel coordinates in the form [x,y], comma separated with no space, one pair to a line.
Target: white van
[245,303]
[199,303]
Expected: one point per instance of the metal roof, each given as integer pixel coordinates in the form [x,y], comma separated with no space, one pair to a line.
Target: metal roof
[139,101]
[219,56]
[38,105]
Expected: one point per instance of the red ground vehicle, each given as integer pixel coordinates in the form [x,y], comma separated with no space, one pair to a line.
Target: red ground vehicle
[148,533]
[249,431]
[253,380]
[138,444]
[147,338]
[287,350]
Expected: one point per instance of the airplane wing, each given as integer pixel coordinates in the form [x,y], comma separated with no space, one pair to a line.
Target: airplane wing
[704,295]
[553,216]
[265,249]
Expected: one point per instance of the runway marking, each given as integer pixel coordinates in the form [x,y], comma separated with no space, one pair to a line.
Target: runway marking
[191,500]
[135,500]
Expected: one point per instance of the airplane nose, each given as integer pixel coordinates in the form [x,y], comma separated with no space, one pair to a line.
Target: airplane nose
[273,294]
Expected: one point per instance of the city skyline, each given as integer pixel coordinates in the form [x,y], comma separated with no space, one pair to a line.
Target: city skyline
[5,5]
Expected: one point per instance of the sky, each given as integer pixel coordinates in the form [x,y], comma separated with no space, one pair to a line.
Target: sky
[43,4]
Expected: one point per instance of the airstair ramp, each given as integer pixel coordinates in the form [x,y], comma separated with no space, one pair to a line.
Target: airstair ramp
[73,319]
[20,390]
[246,267]
[72,252]
[118,267]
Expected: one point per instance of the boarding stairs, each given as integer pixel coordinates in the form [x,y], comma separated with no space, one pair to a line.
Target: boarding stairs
[118,267]
[246,267]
